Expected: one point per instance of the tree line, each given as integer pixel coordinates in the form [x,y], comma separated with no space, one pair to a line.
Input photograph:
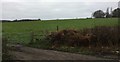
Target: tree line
[27,20]
[113,14]
[22,20]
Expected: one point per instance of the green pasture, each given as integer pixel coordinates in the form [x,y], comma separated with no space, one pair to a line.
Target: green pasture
[21,31]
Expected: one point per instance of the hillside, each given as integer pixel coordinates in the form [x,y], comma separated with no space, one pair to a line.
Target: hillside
[51,25]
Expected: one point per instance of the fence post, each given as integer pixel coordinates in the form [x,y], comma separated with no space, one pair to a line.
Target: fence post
[57,28]
[32,38]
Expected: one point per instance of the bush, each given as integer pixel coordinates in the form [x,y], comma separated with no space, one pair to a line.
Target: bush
[101,36]
[5,53]
[106,36]
[70,38]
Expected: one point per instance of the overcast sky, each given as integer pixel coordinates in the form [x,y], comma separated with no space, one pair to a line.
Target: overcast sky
[53,9]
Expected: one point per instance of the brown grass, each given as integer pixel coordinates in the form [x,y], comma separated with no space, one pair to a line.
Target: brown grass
[97,37]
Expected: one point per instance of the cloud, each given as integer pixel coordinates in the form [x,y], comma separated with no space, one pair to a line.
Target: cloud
[51,10]
[60,0]
[119,4]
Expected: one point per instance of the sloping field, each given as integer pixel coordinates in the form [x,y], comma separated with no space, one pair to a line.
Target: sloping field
[21,30]
[21,27]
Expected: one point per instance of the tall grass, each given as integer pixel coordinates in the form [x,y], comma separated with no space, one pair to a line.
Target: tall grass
[5,51]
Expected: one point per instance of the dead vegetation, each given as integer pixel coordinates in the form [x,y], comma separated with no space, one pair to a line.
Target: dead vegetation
[70,38]
[104,40]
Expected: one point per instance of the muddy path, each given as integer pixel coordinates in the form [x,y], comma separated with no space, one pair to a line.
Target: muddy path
[28,53]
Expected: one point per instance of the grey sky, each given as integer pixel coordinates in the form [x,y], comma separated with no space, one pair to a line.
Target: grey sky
[52,9]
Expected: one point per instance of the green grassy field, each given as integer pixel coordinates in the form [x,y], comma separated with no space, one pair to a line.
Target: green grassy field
[21,30]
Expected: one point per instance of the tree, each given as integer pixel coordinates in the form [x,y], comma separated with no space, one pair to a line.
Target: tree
[39,19]
[116,13]
[15,20]
[99,14]
[107,13]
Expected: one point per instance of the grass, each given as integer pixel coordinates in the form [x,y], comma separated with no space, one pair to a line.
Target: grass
[21,31]
[23,27]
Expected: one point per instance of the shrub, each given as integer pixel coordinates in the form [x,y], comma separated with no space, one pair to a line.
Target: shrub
[5,53]
[70,38]
[101,36]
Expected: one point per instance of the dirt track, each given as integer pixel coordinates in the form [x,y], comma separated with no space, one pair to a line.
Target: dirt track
[28,53]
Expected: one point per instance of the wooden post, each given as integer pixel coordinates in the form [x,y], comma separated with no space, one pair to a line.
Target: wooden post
[57,28]
[32,38]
